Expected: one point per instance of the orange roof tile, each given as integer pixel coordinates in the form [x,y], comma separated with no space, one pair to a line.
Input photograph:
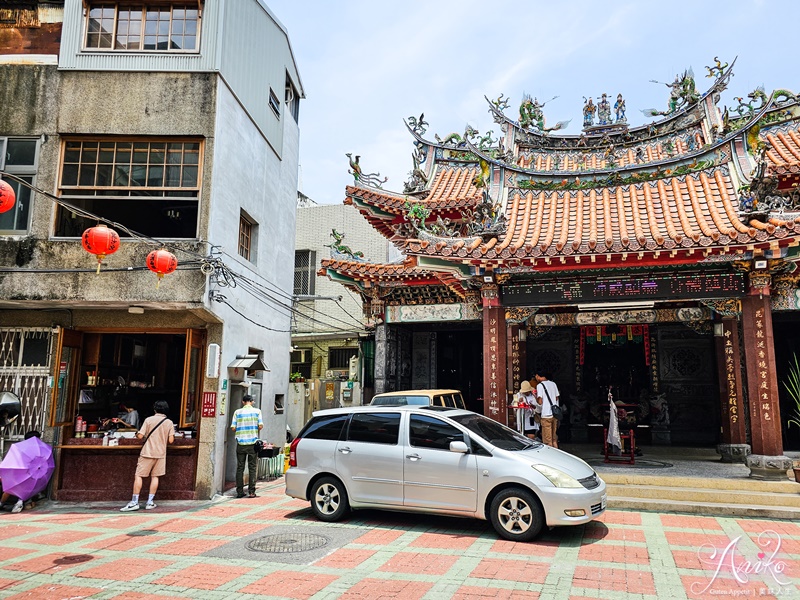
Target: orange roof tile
[452,187]
[784,151]
[691,211]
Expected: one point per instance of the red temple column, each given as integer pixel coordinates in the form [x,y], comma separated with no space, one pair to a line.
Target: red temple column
[767,460]
[494,356]
[734,446]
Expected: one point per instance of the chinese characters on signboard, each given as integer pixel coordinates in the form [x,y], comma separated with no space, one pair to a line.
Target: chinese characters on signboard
[763,400]
[730,377]
[516,369]
[494,407]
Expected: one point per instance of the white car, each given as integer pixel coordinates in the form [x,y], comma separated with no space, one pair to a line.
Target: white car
[439,460]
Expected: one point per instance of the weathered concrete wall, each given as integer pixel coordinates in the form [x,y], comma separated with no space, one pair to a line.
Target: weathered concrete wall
[38,100]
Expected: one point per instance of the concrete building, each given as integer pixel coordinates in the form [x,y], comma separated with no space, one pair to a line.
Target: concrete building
[328,330]
[178,126]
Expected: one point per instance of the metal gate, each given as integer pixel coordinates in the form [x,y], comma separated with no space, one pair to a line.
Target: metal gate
[25,362]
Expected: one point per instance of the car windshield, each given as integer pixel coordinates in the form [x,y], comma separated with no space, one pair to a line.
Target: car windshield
[493,432]
[400,400]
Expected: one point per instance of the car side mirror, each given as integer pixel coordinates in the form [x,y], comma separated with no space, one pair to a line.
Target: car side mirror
[460,447]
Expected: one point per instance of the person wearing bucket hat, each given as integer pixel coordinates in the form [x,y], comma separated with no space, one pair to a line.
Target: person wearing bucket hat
[524,403]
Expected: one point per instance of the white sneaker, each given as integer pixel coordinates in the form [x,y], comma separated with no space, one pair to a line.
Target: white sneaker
[130,506]
[150,506]
[17,507]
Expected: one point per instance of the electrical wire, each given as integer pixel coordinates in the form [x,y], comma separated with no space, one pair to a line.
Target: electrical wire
[220,298]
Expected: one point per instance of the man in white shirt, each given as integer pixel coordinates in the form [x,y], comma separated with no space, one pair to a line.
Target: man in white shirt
[547,396]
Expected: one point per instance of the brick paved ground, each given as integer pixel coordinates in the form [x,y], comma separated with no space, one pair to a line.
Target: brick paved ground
[177,551]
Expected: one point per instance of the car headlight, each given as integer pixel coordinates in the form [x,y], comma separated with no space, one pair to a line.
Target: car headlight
[558,478]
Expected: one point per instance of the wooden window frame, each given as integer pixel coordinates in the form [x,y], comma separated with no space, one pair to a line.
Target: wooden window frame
[71,188]
[247,230]
[143,7]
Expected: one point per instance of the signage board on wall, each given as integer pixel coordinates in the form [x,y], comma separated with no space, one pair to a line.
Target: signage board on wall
[644,287]
[209,404]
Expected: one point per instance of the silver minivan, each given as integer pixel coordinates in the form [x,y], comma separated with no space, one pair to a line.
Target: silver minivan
[439,460]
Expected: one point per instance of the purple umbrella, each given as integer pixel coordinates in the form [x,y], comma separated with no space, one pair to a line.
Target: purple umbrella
[27,468]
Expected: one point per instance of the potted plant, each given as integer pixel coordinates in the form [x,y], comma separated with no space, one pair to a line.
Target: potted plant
[792,385]
[296,377]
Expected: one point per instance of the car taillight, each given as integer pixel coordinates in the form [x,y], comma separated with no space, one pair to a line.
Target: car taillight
[293,453]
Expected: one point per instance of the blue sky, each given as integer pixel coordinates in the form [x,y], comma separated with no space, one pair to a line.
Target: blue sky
[368,64]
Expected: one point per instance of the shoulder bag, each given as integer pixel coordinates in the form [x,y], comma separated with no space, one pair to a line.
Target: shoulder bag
[558,414]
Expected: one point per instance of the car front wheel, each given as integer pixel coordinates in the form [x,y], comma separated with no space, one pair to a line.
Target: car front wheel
[516,515]
[329,499]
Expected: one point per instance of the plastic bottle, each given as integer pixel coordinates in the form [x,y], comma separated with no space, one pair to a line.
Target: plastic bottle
[105,439]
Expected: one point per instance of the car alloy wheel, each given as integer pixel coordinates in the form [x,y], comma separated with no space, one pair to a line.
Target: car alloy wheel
[329,499]
[516,515]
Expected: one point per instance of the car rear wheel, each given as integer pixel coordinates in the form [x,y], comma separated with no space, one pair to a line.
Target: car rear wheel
[329,499]
[516,515]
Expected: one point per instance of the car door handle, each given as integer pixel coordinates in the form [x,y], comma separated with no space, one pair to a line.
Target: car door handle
[413,456]
[345,450]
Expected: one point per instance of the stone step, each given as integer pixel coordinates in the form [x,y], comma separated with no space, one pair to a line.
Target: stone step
[730,483]
[745,497]
[704,508]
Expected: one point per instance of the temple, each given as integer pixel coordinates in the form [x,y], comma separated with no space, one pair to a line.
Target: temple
[656,263]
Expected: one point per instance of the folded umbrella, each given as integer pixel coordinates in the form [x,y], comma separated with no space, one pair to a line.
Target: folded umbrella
[27,468]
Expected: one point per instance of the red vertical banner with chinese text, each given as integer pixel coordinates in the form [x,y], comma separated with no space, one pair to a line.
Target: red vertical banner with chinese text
[494,363]
[730,384]
[762,379]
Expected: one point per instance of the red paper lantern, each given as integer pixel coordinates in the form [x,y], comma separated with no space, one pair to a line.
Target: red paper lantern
[161,262]
[7,197]
[100,240]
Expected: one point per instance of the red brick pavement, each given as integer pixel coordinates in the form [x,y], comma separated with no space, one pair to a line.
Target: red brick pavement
[290,584]
[124,569]
[203,577]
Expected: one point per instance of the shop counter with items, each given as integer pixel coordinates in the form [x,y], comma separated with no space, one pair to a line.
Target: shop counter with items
[90,471]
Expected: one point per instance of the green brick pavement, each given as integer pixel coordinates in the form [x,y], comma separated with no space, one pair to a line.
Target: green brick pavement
[196,550]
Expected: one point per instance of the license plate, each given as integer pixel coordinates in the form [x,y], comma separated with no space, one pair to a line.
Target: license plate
[603,502]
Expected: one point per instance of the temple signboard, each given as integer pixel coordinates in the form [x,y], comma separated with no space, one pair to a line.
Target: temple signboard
[644,287]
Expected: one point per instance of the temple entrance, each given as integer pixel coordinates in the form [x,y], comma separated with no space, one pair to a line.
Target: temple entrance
[619,367]
[460,365]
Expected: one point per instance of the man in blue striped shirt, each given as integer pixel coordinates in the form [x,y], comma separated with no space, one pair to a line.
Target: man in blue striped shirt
[246,423]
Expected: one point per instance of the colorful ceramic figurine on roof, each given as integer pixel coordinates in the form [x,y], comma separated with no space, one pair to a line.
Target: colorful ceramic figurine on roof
[604,111]
[619,109]
[588,112]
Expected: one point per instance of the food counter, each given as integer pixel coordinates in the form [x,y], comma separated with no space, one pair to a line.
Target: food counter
[89,471]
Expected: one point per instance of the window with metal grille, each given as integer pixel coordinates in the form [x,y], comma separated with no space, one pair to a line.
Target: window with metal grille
[247,229]
[156,26]
[305,262]
[18,156]
[150,185]
[300,362]
[25,360]
[339,358]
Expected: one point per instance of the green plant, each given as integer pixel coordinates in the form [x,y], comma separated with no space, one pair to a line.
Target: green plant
[792,385]
[296,376]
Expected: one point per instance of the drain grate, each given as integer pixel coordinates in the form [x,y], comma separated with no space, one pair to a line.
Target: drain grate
[283,543]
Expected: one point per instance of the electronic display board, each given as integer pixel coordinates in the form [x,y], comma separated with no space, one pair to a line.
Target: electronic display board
[646,287]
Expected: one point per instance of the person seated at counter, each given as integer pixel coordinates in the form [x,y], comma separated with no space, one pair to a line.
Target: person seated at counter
[128,418]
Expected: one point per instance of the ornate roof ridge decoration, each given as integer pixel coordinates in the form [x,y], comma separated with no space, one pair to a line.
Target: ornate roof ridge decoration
[613,173]
[368,179]
[722,73]
[340,250]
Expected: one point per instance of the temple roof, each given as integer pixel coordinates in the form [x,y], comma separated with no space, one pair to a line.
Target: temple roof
[687,213]
[408,273]
[784,149]
[452,188]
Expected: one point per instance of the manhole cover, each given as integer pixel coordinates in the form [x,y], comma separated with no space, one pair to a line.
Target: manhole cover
[283,543]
